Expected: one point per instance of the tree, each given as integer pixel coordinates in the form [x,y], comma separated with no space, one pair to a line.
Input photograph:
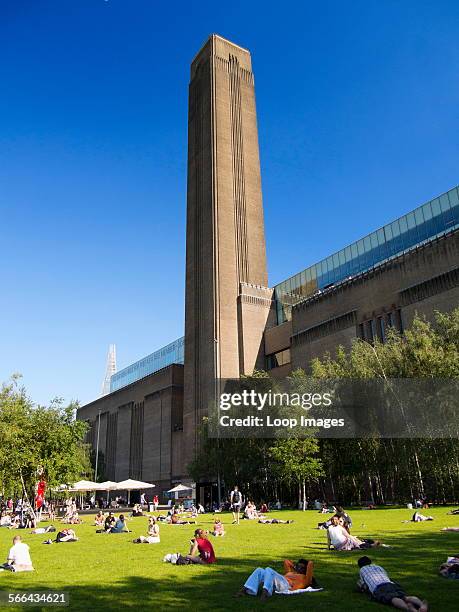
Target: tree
[296,462]
[392,466]
[38,437]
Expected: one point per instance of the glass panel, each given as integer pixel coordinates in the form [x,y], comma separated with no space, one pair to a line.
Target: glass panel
[427,211]
[435,207]
[444,202]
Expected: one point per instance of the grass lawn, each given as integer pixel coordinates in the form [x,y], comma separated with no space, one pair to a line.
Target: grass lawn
[108,572]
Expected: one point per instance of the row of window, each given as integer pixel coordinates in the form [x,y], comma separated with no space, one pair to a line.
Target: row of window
[426,222]
[376,328]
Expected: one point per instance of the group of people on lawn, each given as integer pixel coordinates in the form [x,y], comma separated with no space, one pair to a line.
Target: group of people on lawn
[297,576]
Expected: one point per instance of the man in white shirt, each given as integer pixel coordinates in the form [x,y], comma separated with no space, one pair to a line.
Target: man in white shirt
[19,557]
[375,580]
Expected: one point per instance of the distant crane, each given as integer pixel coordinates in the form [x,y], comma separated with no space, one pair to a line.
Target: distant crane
[110,369]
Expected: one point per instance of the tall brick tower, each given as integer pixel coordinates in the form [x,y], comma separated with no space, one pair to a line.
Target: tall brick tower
[227,300]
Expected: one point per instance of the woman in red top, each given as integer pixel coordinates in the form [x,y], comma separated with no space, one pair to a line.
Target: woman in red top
[200,544]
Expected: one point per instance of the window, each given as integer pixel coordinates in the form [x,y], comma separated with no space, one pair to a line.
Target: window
[390,319]
[382,331]
[278,359]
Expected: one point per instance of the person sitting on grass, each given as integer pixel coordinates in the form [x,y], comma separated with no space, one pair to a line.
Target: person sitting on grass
[341,539]
[274,521]
[137,510]
[153,533]
[345,516]
[109,522]
[375,580]
[66,535]
[119,526]
[99,519]
[201,550]
[296,576]
[219,529]
[250,511]
[18,557]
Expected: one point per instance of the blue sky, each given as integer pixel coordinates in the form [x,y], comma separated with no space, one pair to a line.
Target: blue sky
[358,123]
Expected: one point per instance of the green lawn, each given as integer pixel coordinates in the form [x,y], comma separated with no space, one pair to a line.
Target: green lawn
[104,571]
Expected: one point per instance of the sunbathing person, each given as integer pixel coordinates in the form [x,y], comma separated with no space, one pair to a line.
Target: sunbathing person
[450,529]
[66,535]
[175,520]
[153,533]
[418,517]
[250,511]
[345,516]
[119,526]
[109,522]
[375,580]
[137,510]
[201,550]
[274,521]
[18,557]
[454,511]
[296,576]
[450,569]
[48,529]
[341,539]
[99,519]
[219,529]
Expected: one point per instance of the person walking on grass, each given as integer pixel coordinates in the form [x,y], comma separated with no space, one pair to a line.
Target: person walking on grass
[236,503]
[375,580]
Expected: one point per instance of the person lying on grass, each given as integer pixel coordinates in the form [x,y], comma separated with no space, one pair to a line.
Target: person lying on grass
[450,529]
[66,535]
[341,539]
[18,557]
[274,521]
[176,520]
[454,511]
[375,581]
[39,530]
[296,576]
[153,533]
[450,569]
[419,518]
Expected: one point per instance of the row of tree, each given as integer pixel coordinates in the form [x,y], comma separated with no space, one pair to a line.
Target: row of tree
[370,469]
[38,442]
